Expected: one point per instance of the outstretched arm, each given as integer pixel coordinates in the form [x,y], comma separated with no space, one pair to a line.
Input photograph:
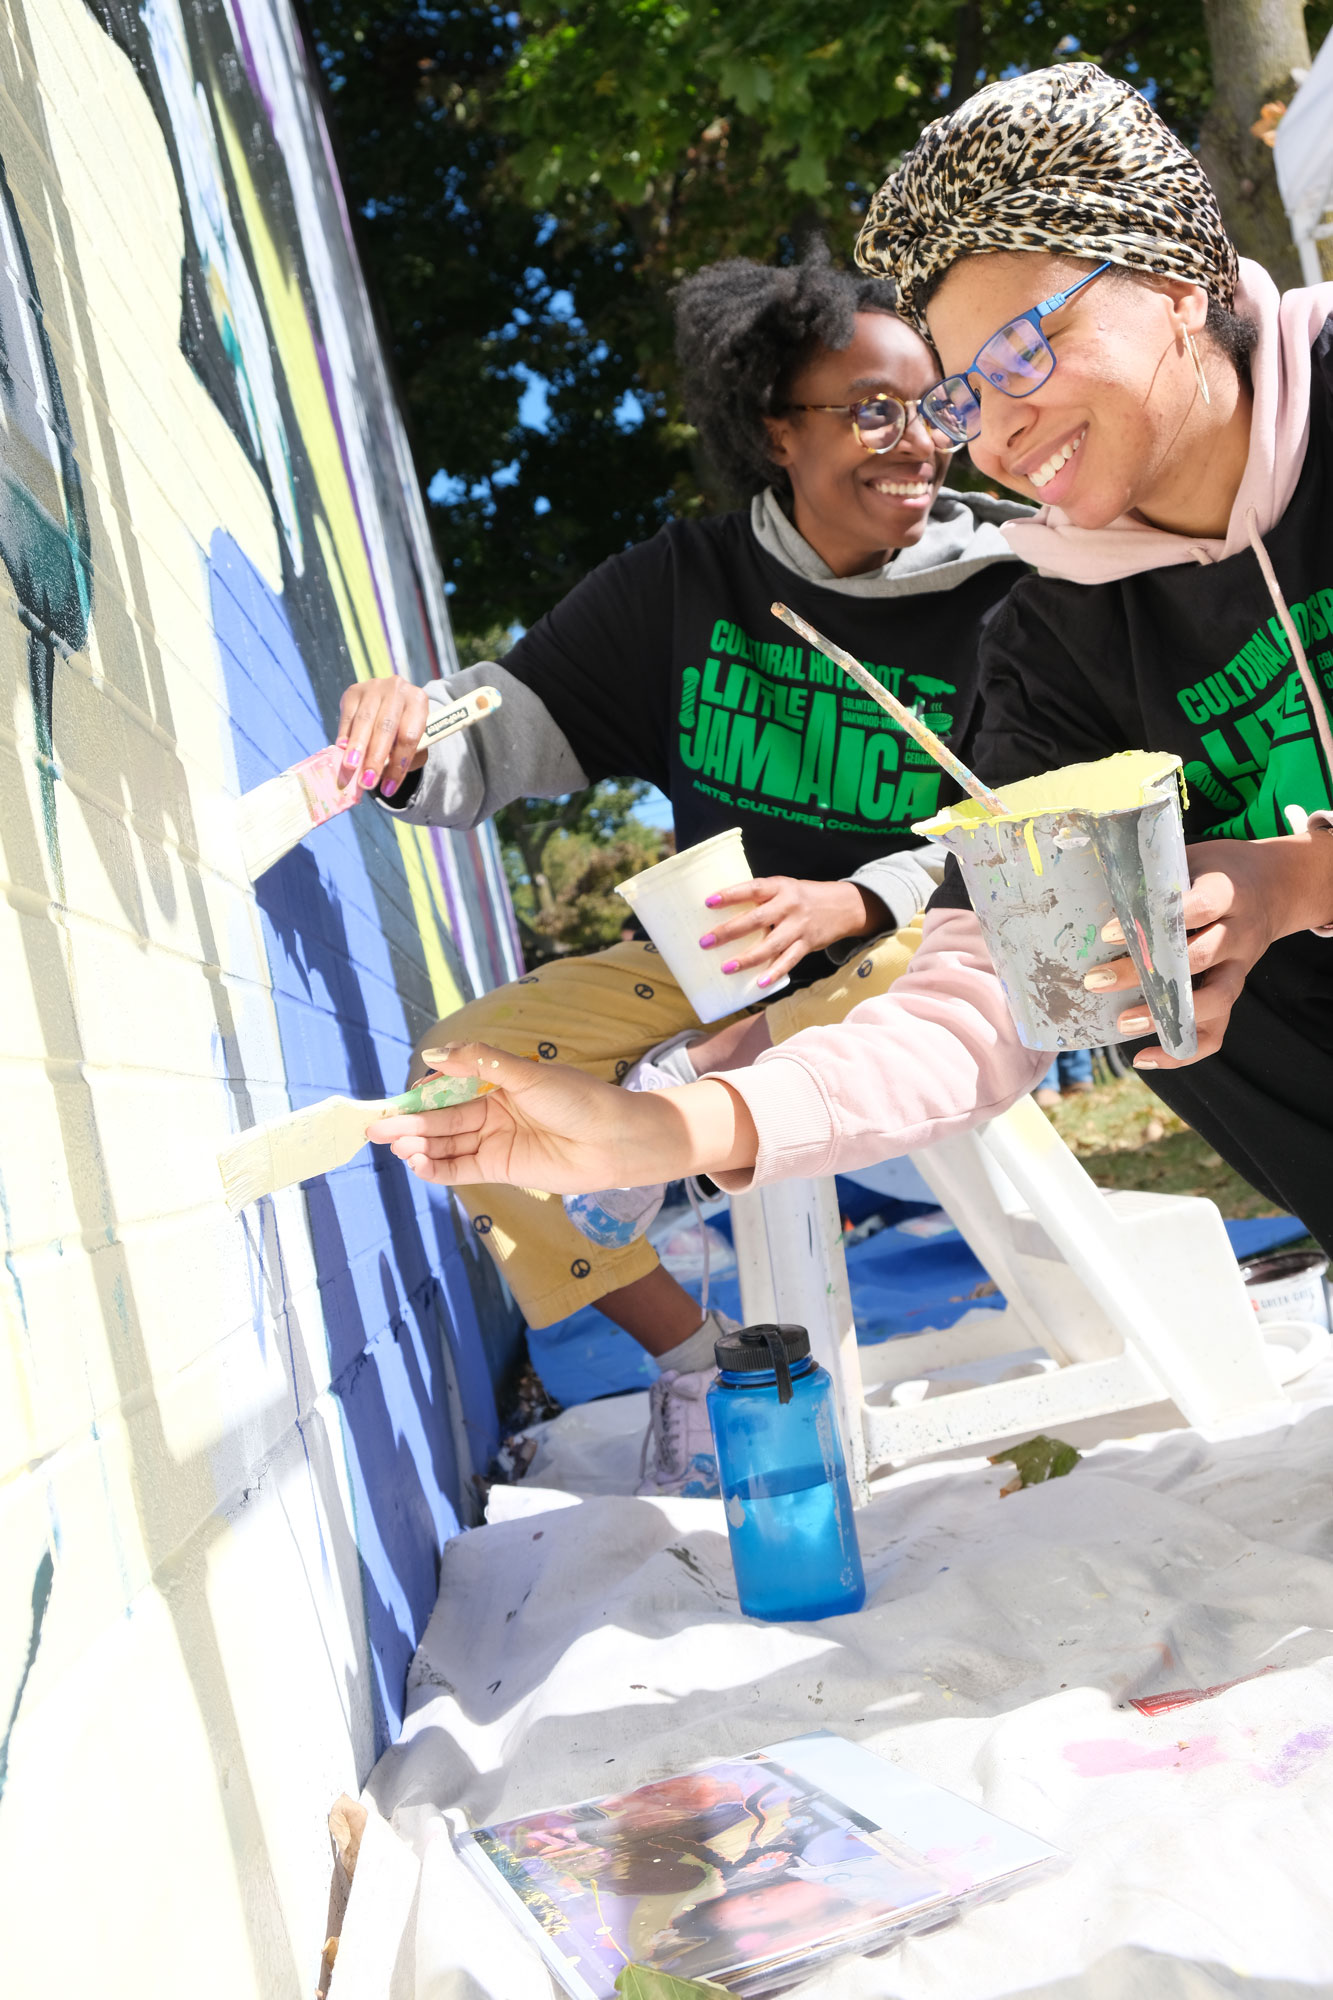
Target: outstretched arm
[545,1125]
[936,1054]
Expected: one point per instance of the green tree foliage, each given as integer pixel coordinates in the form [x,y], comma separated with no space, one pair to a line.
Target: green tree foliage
[564,859]
[478,291]
[716,129]
[641,1982]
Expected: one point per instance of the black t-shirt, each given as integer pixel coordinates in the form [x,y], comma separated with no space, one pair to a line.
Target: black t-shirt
[667,664]
[1191,659]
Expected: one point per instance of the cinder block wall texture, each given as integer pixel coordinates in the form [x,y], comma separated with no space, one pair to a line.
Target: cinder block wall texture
[230,1451]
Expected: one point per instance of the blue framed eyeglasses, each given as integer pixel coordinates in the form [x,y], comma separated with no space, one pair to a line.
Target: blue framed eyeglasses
[1016,361]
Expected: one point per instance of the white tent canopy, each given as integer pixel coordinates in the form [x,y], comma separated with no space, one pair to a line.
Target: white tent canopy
[1303,154]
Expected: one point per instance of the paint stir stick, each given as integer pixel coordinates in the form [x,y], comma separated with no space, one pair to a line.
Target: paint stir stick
[904,717]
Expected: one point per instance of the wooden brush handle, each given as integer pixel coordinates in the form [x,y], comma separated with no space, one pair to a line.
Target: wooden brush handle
[460,714]
[904,717]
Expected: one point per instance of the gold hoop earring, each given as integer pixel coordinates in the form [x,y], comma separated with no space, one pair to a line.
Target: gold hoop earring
[1192,350]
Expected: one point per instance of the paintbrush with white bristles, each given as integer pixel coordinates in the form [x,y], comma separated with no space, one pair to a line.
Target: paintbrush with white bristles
[276,817]
[302,1144]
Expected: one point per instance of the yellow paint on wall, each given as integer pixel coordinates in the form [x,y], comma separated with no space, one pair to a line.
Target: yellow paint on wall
[421,870]
[361,666]
[339,534]
[291,333]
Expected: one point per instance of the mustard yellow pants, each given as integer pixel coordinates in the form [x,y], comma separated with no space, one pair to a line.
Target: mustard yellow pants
[601,1014]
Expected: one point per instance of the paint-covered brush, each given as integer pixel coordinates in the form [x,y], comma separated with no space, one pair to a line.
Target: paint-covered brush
[277,816]
[323,1136]
[902,715]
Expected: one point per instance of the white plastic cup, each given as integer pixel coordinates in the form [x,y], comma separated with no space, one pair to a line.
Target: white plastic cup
[670,902]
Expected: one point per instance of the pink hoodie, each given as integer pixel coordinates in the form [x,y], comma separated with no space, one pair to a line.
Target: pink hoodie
[943,1053]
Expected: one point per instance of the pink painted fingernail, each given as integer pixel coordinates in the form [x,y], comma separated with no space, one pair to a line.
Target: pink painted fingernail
[765,981]
[711,902]
[341,743]
[732,965]
[388,788]
[367,777]
[708,939]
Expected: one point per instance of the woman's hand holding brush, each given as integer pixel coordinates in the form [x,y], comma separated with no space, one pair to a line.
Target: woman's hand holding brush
[545,1125]
[380,724]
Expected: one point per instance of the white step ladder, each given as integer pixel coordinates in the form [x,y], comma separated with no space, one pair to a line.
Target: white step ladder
[1135,1298]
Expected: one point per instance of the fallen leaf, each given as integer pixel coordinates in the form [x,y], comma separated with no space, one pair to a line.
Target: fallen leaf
[347,1823]
[640,1982]
[1040,1458]
[1266,124]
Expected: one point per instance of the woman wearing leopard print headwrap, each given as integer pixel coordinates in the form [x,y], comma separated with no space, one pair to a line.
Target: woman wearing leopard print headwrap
[1107,355]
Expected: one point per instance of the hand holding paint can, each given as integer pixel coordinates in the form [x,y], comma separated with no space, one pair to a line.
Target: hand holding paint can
[1073,850]
[670,902]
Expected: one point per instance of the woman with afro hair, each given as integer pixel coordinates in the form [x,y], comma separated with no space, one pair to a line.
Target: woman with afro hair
[666,664]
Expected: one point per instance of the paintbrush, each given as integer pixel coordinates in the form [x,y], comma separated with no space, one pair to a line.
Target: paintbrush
[277,816]
[323,1136]
[903,716]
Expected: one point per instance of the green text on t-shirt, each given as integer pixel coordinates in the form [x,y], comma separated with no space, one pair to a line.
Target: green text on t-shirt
[775,728]
[1259,748]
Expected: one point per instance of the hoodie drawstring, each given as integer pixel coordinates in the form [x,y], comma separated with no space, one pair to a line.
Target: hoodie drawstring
[1308,681]
[692,1197]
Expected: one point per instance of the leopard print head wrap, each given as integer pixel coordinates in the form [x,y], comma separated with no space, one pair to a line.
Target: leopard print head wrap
[1066,159]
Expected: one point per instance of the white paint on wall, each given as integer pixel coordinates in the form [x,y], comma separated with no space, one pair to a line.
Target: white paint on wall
[192,1527]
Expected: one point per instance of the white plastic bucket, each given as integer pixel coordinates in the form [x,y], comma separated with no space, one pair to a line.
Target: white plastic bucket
[670,902]
[1288,1286]
[1294,1346]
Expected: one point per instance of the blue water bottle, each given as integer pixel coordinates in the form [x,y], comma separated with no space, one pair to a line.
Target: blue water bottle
[783,1477]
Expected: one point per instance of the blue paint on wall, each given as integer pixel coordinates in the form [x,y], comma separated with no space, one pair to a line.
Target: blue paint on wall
[393,1259]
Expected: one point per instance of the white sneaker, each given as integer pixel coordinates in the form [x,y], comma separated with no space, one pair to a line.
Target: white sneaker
[616,1216]
[678,1454]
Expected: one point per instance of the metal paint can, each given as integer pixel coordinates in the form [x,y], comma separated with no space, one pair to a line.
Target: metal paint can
[1288,1286]
[1044,886]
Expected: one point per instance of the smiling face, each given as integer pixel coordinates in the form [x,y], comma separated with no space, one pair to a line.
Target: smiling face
[1119,424]
[855,507]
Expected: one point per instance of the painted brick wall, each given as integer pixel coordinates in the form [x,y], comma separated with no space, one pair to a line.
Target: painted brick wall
[230,1451]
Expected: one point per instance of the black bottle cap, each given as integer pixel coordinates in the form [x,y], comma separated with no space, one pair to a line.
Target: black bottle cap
[752,1349]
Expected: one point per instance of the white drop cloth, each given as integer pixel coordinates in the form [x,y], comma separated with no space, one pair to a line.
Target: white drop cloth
[581,1645]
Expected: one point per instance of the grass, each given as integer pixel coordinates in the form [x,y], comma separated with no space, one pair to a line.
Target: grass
[1127,1138]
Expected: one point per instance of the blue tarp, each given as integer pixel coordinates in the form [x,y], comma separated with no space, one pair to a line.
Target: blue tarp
[900,1283]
